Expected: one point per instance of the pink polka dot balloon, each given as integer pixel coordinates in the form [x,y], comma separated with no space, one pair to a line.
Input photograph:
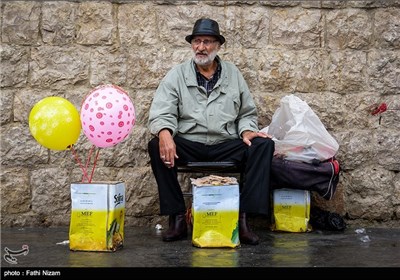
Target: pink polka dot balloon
[107,115]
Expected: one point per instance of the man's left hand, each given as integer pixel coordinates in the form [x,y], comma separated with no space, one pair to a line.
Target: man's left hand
[250,135]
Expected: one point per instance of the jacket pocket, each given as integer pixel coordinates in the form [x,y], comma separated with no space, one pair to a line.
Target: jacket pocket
[184,127]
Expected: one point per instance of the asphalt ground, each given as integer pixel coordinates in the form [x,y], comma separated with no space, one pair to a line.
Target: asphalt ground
[44,253]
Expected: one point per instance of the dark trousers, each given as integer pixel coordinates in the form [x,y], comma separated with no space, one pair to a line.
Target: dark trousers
[255,161]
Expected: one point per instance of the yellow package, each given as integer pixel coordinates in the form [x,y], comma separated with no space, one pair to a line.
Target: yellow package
[215,212]
[291,210]
[97,216]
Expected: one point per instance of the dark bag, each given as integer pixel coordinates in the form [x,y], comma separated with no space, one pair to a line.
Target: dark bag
[321,219]
[321,177]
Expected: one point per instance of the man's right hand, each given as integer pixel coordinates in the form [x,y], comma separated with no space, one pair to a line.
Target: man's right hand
[167,148]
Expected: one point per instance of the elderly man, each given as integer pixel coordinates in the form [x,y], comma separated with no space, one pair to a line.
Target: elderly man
[203,111]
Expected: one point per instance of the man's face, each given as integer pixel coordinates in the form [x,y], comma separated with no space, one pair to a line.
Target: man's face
[205,49]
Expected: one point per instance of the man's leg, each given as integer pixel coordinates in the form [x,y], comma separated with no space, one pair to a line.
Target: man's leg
[255,193]
[170,193]
[169,190]
[256,161]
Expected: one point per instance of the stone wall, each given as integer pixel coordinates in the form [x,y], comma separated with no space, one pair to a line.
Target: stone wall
[341,57]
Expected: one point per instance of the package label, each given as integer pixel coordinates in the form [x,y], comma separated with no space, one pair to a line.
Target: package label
[97,216]
[215,212]
[291,210]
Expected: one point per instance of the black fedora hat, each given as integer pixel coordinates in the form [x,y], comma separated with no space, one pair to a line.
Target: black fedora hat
[205,26]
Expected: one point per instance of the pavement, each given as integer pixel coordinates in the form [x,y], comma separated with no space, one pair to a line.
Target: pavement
[45,251]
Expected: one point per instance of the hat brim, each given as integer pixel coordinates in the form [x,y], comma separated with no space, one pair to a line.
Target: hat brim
[220,38]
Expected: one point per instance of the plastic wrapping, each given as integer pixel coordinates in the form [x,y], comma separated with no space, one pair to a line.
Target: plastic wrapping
[299,134]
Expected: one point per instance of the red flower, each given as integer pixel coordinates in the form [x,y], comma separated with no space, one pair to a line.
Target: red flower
[380,109]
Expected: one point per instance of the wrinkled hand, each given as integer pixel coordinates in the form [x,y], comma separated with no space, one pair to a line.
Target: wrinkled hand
[167,148]
[248,135]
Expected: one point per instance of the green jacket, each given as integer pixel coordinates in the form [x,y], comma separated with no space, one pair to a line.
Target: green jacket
[180,105]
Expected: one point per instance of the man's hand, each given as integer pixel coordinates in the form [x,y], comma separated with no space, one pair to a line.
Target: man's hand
[167,148]
[248,135]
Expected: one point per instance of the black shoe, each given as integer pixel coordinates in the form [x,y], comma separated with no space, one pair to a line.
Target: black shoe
[177,228]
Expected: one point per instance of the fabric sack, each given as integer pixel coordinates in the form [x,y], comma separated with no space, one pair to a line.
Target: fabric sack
[325,220]
[321,177]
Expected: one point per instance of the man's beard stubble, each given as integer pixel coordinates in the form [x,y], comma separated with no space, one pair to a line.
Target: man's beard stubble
[205,61]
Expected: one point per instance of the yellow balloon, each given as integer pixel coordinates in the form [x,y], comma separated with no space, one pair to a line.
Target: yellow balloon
[55,123]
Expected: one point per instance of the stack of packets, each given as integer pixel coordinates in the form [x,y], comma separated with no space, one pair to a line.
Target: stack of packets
[291,210]
[215,212]
[97,216]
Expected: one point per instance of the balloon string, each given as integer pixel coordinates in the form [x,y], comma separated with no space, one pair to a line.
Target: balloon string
[88,159]
[94,165]
[80,164]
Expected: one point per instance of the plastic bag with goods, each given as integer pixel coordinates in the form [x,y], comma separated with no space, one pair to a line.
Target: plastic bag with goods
[299,134]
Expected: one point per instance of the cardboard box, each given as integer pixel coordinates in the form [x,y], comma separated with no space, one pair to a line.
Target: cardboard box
[215,212]
[97,216]
[291,210]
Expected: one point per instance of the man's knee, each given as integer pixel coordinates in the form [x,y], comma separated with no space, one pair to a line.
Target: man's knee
[267,142]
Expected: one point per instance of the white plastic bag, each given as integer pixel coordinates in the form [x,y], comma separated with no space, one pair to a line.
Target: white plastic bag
[299,134]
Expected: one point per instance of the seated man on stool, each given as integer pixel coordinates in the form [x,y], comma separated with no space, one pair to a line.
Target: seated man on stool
[202,110]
